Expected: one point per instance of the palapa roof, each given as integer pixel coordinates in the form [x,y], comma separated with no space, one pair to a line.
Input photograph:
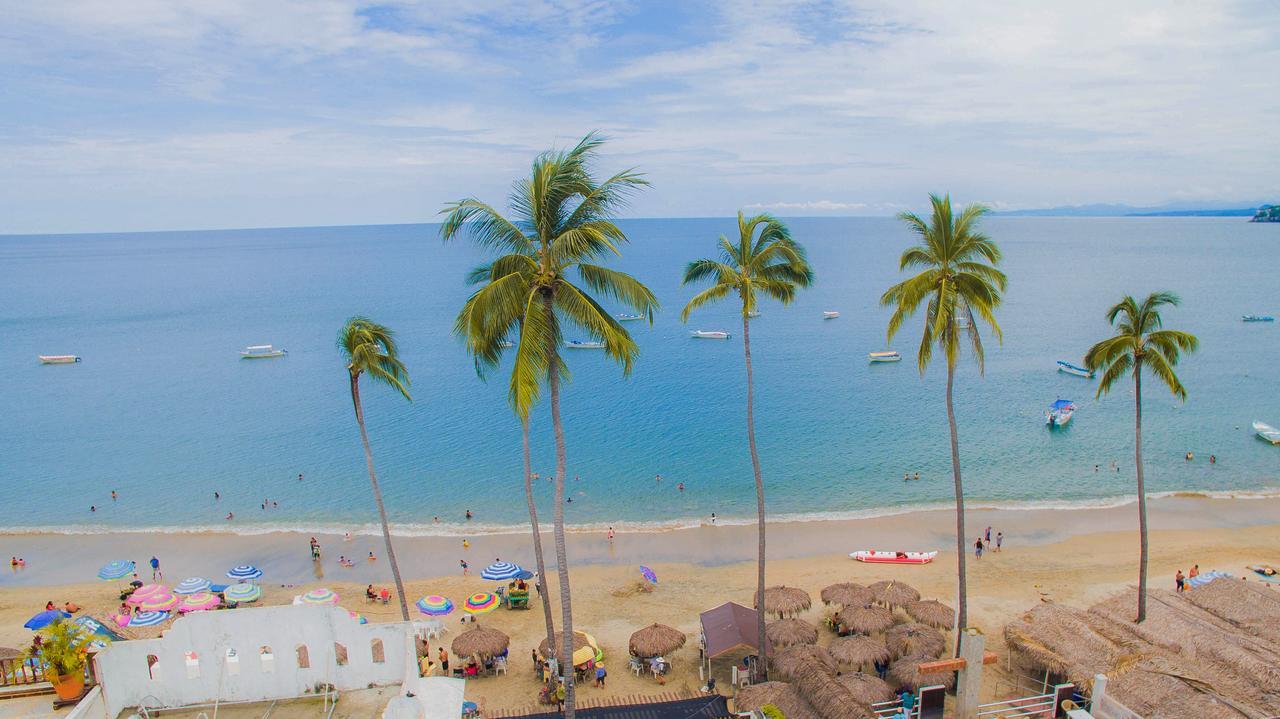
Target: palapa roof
[894,593]
[10,653]
[780,694]
[847,593]
[784,601]
[656,640]
[868,619]
[932,612]
[787,662]
[481,642]
[906,671]
[866,688]
[579,641]
[728,627]
[830,698]
[789,632]
[856,651]
[914,639]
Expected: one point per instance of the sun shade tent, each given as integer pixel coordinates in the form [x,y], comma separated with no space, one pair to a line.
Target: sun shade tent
[728,627]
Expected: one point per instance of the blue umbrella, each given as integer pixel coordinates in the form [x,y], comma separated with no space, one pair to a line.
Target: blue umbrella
[648,574]
[115,570]
[501,571]
[244,571]
[524,574]
[44,619]
[191,585]
[148,619]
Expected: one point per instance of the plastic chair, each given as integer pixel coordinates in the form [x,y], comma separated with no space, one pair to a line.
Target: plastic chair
[500,666]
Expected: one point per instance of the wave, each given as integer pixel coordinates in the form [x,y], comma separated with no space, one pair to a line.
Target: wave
[470,529]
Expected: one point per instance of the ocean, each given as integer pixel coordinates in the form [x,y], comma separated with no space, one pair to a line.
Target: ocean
[163,410]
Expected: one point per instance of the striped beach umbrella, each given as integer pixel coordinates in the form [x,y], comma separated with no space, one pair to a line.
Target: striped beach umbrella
[145,591]
[192,585]
[648,574]
[158,602]
[148,619]
[317,596]
[243,572]
[501,571]
[243,593]
[117,569]
[434,605]
[198,602]
[480,603]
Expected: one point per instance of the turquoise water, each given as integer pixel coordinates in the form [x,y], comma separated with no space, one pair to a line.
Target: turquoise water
[163,410]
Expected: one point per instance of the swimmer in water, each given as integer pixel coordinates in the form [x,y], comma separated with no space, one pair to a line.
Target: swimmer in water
[680,486]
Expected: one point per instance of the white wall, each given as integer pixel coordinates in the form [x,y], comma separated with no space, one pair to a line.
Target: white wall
[126,681]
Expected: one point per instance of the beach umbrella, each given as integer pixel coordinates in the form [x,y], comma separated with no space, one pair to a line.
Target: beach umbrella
[894,594]
[434,605]
[655,640]
[158,602]
[915,640]
[44,619]
[789,632]
[848,594]
[584,648]
[501,571]
[193,585]
[524,574]
[321,596]
[906,671]
[145,591]
[243,593]
[480,603]
[117,569]
[358,617]
[198,602]
[866,688]
[784,601]
[857,650]
[867,620]
[148,619]
[648,574]
[480,642]
[932,612]
[788,662]
[243,572]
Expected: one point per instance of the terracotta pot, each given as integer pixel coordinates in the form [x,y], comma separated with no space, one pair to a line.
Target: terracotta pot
[68,687]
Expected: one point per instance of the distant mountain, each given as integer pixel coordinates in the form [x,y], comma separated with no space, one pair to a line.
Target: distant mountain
[1267,213]
[1175,209]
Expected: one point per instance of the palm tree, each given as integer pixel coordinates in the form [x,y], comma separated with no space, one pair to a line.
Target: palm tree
[771,264]
[958,279]
[563,223]
[370,348]
[1139,341]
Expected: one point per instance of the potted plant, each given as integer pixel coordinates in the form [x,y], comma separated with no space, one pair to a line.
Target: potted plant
[63,650]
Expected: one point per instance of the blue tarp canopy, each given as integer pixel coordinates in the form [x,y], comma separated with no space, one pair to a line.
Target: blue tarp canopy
[1063,404]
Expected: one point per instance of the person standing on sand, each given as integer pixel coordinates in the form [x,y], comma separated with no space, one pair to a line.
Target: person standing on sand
[999,540]
[1195,572]
[444,661]
[988,536]
[1180,581]
[465,567]
[611,535]
[155,569]
[977,548]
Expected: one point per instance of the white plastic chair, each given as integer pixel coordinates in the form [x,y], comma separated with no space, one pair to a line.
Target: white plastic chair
[500,665]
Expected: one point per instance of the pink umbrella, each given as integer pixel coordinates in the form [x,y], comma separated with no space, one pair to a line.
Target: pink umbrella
[158,602]
[145,591]
[198,602]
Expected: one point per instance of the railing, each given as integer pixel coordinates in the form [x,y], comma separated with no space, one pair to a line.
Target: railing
[19,671]
[1038,706]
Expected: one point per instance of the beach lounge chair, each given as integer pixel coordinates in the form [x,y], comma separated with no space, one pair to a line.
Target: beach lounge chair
[518,599]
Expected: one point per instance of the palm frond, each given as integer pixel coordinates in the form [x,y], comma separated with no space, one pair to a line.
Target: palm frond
[621,287]
[370,348]
[581,309]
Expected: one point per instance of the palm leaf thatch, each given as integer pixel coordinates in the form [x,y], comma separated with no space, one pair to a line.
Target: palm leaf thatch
[857,651]
[868,619]
[847,594]
[932,612]
[830,698]
[780,694]
[1063,640]
[10,653]
[656,640]
[480,642]
[894,594]
[866,688]
[916,640]
[789,661]
[784,601]
[790,632]
[906,671]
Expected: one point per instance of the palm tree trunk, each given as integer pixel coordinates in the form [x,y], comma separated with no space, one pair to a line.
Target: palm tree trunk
[755,466]
[1142,493]
[377,496]
[962,600]
[537,533]
[564,647]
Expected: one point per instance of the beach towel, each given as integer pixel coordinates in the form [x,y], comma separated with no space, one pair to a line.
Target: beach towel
[1206,577]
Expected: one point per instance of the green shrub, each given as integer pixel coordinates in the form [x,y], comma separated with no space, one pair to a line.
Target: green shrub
[772,712]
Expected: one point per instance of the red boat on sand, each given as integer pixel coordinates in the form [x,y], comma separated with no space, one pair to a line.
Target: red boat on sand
[877,557]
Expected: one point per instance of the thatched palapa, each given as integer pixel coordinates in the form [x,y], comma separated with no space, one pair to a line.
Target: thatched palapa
[780,694]
[655,640]
[830,698]
[857,651]
[847,594]
[790,632]
[866,688]
[868,619]
[893,593]
[932,612]
[784,601]
[915,640]
[480,642]
[579,642]
[788,662]
[906,671]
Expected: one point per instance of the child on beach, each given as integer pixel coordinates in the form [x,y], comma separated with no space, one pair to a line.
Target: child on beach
[465,567]
[977,548]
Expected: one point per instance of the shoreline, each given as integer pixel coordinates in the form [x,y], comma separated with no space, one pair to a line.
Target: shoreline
[61,558]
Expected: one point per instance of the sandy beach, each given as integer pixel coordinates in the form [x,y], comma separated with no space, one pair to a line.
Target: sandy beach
[1075,557]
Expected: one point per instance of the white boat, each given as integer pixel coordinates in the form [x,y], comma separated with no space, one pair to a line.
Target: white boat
[753,313]
[1267,432]
[627,317]
[261,352]
[504,344]
[830,315]
[1060,413]
[872,556]
[1257,318]
[889,356]
[709,334]
[1072,369]
[584,345]
[59,359]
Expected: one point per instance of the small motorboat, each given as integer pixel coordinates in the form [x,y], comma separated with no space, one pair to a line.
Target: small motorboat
[878,557]
[1257,318]
[1060,413]
[753,313]
[889,356]
[709,334]
[1266,431]
[830,315]
[628,317]
[506,345]
[261,352]
[59,359]
[1073,369]
[584,345]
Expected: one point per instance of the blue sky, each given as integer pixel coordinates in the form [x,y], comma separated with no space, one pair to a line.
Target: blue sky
[152,114]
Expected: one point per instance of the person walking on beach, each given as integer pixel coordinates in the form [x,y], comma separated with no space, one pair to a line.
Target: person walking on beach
[610,535]
[977,548]
[988,536]
[999,540]
[1180,581]
[465,567]
[155,569]
[444,661]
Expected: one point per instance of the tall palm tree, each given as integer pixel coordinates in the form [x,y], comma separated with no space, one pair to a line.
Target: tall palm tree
[370,348]
[563,223]
[773,265]
[1139,341]
[958,280]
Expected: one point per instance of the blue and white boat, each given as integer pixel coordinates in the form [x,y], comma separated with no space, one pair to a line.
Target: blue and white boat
[1266,432]
[584,345]
[628,317]
[1072,369]
[1060,413]
[1257,318]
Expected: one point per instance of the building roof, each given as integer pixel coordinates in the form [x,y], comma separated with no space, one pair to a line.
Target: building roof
[712,706]
[728,627]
